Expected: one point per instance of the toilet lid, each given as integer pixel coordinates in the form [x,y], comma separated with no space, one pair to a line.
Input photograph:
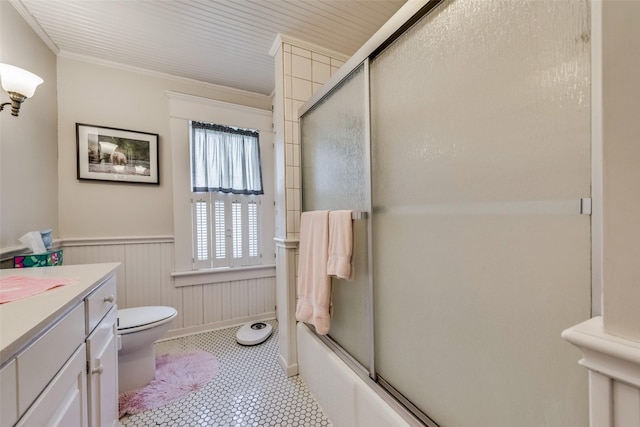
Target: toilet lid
[139,316]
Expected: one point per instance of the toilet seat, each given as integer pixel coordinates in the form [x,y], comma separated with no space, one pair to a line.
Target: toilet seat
[136,319]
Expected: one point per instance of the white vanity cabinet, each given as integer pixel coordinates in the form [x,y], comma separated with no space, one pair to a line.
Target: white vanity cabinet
[59,363]
[102,355]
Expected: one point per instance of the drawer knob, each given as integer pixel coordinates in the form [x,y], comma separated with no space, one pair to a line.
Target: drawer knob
[99,370]
[110,298]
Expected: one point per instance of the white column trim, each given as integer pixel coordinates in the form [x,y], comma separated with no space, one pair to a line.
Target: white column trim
[286,243]
[614,356]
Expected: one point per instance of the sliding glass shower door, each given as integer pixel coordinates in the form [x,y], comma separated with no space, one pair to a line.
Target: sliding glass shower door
[480,156]
[335,176]
[466,140]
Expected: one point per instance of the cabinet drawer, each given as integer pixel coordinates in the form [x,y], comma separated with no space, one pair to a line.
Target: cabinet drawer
[8,395]
[40,362]
[100,302]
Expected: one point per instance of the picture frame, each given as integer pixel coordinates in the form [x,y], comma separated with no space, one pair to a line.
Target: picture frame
[117,155]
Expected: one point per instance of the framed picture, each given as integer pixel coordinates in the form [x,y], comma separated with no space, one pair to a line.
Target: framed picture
[118,155]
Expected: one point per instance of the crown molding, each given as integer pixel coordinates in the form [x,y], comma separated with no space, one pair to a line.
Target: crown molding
[31,21]
[160,75]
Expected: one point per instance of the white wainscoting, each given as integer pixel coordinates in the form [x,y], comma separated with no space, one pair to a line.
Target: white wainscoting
[614,374]
[144,278]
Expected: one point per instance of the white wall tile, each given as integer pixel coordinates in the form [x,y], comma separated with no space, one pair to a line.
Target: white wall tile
[287,88]
[289,182]
[296,177]
[336,63]
[301,67]
[301,52]
[295,133]
[300,89]
[287,63]
[288,108]
[320,58]
[296,154]
[295,107]
[320,72]
[289,159]
[288,132]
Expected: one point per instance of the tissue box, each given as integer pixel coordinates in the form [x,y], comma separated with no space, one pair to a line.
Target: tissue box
[45,259]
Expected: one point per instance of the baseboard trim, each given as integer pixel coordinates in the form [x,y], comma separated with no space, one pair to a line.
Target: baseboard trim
[192,330]
[289,370]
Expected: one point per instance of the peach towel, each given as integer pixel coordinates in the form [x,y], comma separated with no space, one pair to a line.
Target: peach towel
[340,244]
[314,285]
[16,287]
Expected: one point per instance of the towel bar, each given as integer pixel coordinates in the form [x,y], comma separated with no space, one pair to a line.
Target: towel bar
[359,215]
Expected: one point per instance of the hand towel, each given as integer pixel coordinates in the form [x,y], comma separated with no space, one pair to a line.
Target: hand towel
[314,285]
[340,244]
[17,287]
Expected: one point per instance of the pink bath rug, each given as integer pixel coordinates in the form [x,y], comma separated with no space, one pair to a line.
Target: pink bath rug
[177,374]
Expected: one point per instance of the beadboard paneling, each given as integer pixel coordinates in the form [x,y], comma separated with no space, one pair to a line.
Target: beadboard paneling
[144,278]
[100,253]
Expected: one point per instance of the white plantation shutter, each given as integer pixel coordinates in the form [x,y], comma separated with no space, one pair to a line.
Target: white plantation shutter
[226,230]
[220,233]
[201,241]
[236,220]
[252,224]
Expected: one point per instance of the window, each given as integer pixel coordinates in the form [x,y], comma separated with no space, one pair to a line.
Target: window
[226,185]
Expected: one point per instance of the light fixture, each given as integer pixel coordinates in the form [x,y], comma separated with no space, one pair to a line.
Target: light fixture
[20,84]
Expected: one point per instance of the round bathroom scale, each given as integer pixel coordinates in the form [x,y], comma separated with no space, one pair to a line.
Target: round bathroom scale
[253,333]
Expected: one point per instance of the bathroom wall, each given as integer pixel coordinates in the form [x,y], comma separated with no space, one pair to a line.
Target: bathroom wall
[621,167]
[28,143]
[104,95]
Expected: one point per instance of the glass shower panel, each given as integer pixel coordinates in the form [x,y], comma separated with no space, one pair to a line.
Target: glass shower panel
[335,175]
[480,154]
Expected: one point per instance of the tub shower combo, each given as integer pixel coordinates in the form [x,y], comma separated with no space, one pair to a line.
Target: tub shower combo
[461,136]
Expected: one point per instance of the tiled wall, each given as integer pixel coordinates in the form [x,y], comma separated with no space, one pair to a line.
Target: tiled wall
[304,71]
[300,70]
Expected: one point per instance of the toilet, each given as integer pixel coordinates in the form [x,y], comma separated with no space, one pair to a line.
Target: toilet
[138,329]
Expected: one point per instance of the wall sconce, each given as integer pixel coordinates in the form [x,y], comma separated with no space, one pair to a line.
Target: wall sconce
[20,84]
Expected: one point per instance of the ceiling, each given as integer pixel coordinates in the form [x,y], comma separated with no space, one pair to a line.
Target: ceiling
[224,42]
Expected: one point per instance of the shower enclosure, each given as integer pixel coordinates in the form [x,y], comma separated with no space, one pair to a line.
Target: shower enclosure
[464,140]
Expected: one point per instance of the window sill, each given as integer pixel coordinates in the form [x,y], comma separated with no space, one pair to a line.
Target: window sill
[220,275]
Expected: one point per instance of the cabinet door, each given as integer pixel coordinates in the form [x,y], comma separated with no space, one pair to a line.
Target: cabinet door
[63,403]
[8,395]
[102,353]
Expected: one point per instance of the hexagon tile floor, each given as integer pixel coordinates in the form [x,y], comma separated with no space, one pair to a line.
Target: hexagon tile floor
[250,388]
